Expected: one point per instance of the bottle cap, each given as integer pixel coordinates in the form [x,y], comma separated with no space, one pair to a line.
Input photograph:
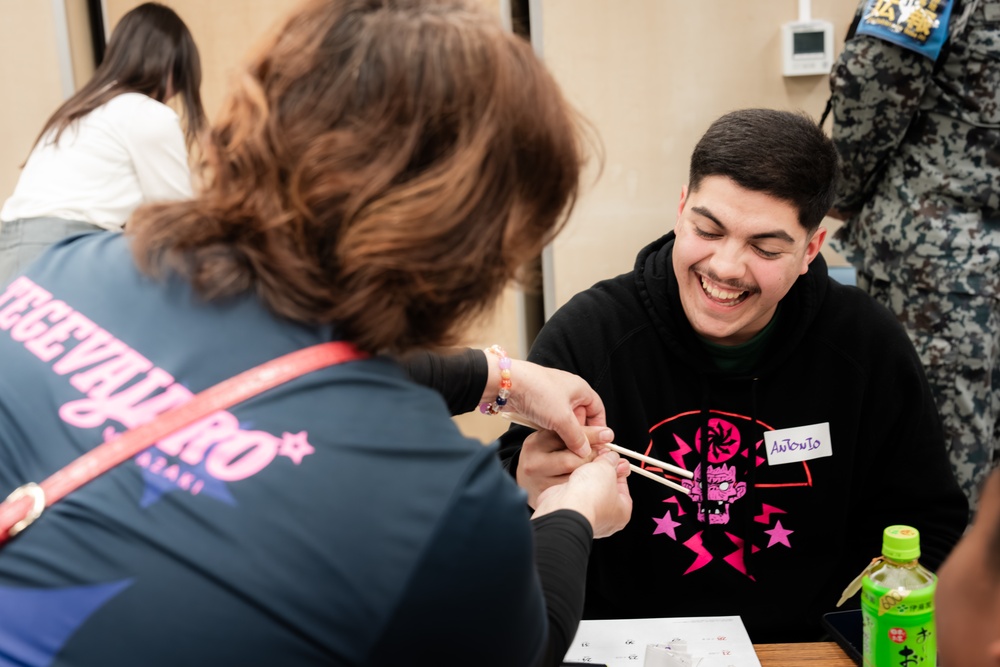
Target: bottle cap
[901,543]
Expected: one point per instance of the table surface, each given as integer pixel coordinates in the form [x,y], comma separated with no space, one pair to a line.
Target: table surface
[815,654]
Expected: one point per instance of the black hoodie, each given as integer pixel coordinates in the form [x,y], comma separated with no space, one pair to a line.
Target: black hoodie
[775,544]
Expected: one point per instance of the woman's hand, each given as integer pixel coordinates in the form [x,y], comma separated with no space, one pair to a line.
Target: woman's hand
[598,490]
[552,399]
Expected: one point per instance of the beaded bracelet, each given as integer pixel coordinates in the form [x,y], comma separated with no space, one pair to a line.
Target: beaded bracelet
[504,393]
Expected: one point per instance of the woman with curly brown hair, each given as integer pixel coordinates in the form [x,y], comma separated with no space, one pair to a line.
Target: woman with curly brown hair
[379,173]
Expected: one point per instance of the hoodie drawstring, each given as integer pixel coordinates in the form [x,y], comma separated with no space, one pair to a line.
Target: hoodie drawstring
[751,481]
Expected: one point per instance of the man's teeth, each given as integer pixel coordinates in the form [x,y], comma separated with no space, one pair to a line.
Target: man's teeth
[719,294]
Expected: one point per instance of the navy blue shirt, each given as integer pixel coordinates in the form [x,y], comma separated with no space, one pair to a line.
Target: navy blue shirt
[338,519]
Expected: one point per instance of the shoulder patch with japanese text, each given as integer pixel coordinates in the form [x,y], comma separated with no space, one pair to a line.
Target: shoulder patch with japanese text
[917,25]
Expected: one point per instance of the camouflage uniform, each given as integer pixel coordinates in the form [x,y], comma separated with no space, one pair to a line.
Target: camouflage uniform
[921,148]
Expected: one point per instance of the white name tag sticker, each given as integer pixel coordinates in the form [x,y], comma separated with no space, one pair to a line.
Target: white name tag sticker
[802,443]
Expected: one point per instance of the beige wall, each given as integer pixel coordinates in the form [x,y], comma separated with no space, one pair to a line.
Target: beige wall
[30,80]
[224,31]
[31,39]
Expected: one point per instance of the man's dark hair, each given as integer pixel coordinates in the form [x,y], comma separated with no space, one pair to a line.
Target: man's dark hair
[780,153]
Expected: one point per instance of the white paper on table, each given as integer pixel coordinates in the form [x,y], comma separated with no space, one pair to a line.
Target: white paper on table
[718,641]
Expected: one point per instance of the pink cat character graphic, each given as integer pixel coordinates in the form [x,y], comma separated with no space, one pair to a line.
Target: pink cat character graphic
[723,490]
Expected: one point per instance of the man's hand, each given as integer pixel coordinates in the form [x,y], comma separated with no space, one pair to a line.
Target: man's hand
[598,490]
[545,460]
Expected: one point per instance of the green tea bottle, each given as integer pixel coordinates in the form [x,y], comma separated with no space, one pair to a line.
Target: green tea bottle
[897,604]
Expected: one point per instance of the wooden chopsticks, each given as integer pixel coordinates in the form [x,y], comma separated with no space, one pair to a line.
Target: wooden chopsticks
[656,462]
[519,419]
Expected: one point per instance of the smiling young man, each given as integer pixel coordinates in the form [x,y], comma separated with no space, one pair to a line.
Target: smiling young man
[798,403]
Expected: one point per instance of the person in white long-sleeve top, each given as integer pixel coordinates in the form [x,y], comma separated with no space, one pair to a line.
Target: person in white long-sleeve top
[112,146]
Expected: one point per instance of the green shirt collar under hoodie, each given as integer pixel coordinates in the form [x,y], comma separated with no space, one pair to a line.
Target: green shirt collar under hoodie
[744,357]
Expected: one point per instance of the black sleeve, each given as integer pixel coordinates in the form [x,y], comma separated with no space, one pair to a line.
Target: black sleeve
[562,549]
[575,339]
[459,377]
[510,447]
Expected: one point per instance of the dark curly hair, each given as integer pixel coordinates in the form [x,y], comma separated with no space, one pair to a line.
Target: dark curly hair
[780,153]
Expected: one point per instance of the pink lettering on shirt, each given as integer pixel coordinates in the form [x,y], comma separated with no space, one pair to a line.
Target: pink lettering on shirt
[31,325]
[17,287]
[102,381]
[11,313]
[191,442]
[129,407]
[48,344]
[121,386]
[244,454]
[98,346]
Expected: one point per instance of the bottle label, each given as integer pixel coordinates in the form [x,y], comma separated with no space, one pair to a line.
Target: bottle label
[897,632]
[891,598]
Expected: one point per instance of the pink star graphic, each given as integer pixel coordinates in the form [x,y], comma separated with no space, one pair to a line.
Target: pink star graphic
[666,525]
[295,446]
[778,534]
